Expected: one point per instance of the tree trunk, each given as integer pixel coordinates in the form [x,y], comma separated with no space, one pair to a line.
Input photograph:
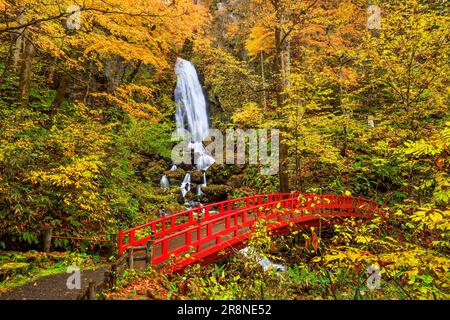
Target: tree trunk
[48,240]
[263,77]
[25,73]
[113,71]
[61,93]
[282,65]
[19,43]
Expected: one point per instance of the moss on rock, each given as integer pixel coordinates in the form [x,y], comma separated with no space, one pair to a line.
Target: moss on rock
[236,181]
[175,177]
[13,268]
[153,172]
[197,177]
[216,193]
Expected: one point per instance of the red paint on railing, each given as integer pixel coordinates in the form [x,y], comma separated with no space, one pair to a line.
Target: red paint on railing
[203,232]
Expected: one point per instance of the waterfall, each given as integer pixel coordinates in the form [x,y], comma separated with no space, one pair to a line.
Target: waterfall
[186,185]
[191,111]
[187,180]
[165,183]
[199,190]
[191,115]
[190,101]
[204,180]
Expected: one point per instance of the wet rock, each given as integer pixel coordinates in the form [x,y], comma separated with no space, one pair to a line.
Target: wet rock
[236,181]
[180,199]
[175,177]
[197,177]
[153,172]
[218,174]
[216,193]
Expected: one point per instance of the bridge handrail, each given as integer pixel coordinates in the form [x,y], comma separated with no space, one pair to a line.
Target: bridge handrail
[290,203]
[189,214]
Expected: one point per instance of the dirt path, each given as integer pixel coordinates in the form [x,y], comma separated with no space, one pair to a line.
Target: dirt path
[53,287]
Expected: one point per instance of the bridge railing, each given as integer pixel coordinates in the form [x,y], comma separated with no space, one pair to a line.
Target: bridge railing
[166,225]
[220,232]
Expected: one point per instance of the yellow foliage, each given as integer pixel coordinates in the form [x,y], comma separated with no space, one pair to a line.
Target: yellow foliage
[432,218]
[251,116]
[134,100]
[133,30]
[261,39]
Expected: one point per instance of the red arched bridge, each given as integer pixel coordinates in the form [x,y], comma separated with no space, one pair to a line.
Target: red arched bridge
[199,234]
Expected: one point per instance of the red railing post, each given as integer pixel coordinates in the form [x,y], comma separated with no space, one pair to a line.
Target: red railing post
[199,236]
[132,238]
[209,230]
[120,240]
[188,238]
[165,248]
[163,224]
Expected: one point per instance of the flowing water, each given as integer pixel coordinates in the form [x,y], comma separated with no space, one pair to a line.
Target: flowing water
[191,114]
[190,100]
[199,190]
[165,182]
[186,184]
[204,180]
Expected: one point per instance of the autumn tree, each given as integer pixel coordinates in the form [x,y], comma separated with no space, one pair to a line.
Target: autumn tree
[116,39]
[66,110]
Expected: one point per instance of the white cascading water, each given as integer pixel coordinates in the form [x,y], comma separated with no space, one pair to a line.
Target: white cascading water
[191,115]
[204,180]
[191,111]
[165,183]
[186,185]
[199,190]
